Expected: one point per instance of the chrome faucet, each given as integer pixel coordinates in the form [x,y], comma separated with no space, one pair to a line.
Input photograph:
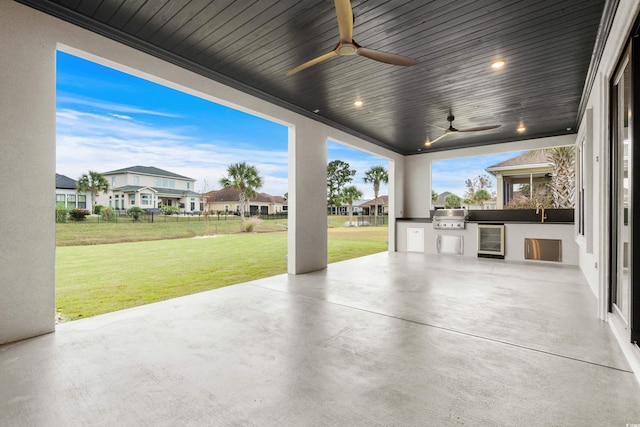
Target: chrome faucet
[539,208]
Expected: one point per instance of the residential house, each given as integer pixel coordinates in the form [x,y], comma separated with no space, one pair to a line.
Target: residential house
[531,169]
[228,200]
[67,197]
[149,187]
[368,207]
[439,203]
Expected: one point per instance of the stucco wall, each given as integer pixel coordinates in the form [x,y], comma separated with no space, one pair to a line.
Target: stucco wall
[27,174]
[27,165]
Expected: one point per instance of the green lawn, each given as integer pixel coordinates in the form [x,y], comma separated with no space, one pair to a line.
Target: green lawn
[90,232]
[98,279]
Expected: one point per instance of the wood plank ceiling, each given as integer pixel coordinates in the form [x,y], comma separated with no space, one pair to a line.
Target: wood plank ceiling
[250,44]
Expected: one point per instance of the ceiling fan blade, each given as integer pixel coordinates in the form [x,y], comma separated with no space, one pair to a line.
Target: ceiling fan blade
[388,58]
[345,20]
[438,138]
[313,62]
[479,128]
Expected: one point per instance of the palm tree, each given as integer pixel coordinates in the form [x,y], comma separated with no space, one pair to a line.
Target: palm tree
[93,183]
[481,196]
[349,194]
[563,180]
[376,175]
[563,177]
[246,179]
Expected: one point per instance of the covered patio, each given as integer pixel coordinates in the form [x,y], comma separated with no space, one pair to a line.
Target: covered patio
[379,340]
[392,339]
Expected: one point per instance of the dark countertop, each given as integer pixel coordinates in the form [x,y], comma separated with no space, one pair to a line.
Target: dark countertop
[511,216]
[429,221]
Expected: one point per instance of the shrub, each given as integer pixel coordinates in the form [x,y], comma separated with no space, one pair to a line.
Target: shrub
[170,210]
[108,214]
[135,212]
[97,209]
[78,214]
[251,224]
[61,215]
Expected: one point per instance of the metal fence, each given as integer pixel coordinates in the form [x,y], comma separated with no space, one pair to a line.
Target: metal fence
[117,216]
[364,220]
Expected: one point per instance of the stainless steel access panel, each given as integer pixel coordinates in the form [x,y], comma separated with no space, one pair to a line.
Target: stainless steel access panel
[543,249]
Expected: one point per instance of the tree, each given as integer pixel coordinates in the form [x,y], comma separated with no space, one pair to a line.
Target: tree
[452,201]
[478,190]
[481,182]
[376,175]
[481,196]
[93,183]
[339,174]
[349,194]
[563,177]
[246,179]
[434,198]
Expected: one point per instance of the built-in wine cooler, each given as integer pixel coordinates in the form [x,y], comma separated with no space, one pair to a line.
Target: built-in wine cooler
[491,241]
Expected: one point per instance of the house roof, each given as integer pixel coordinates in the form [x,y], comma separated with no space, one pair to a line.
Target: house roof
[172,192]
[381,200]
[530,158]
[147,170]
[64,182]
[233,195]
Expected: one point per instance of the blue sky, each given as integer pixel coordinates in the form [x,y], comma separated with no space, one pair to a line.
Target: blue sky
[450,175]
[107,120]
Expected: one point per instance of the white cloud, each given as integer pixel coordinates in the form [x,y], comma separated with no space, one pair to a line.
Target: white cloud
[63,99]
[88,141]
[121,116]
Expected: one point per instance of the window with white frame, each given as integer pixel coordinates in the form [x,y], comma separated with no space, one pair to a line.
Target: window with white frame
[71,201]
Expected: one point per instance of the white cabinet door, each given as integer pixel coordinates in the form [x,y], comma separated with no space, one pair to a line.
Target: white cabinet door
[415,240]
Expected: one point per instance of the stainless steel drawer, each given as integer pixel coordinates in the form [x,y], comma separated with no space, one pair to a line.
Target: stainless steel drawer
[543,249]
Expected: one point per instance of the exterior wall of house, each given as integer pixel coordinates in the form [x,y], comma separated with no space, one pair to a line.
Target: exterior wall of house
[130,178]
[27,166]
[594,130]
[67,198]
[146,198]
[232,207]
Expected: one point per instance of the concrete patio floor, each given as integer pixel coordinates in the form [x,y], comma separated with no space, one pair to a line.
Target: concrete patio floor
[389,339]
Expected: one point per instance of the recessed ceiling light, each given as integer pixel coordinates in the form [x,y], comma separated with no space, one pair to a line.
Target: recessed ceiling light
[427,143]
[358,103]
[498,63]
[316,111]
[568,128]
[521,128]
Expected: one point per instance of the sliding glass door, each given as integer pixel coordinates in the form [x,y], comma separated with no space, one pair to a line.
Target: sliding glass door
[621,171]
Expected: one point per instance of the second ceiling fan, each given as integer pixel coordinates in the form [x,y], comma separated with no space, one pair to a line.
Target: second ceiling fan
[451,129]
[348,46]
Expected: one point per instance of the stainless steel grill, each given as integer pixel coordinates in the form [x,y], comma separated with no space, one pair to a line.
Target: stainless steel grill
[449,219]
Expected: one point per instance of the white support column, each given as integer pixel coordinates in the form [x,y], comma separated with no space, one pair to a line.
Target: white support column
[307,198]
[499,192]
[27,174]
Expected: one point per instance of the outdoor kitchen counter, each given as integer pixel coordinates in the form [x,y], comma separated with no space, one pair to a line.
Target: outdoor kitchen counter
[515,233]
